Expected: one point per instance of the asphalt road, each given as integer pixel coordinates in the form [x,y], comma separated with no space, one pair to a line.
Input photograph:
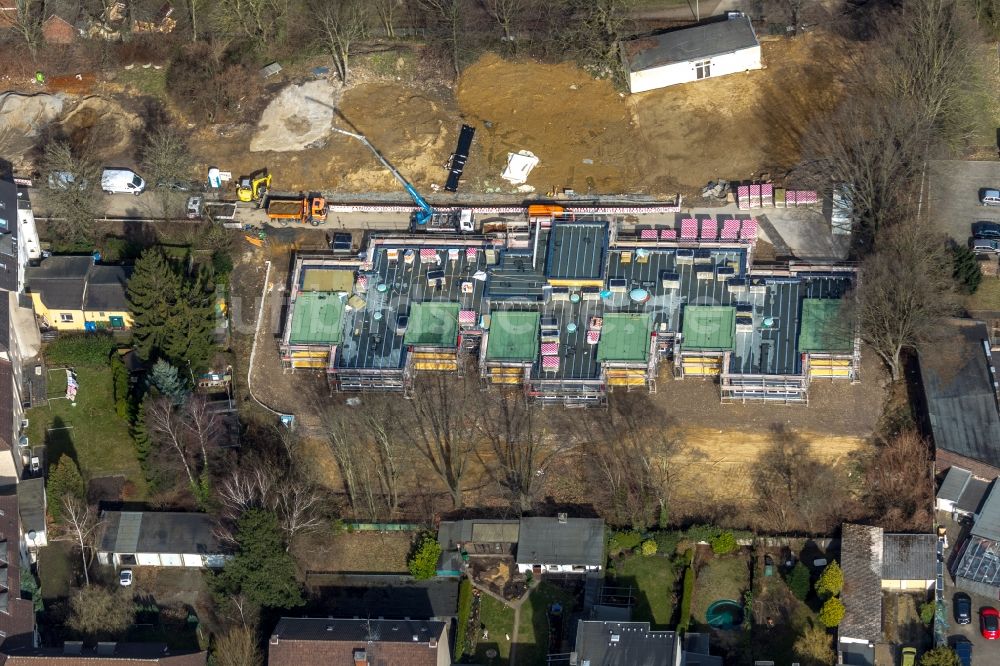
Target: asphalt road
[953,195]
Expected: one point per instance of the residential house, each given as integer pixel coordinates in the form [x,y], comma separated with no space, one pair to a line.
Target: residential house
[560,545]
[961,417]
[635,644]
[159,539]
[874,561]
[17,615]
[861,628]
[73,653]
[361,642]
[461,539]
[976,563]
[72,293]
[723,45]
[961,494]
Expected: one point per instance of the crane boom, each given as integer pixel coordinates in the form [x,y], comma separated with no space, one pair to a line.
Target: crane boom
[425,213]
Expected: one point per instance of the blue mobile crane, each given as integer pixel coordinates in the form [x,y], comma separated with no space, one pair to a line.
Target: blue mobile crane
[425,218]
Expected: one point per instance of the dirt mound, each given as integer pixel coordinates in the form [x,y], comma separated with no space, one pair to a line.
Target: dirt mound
[579,127]
[101,126]
[28,114]
[298,118]
[737,125]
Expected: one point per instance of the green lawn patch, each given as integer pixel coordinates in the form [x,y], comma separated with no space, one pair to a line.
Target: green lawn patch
[653,580]
[987,297]
[533,629]
[499,621]
[718,578]
[148,81]
[55,569]
[89,432]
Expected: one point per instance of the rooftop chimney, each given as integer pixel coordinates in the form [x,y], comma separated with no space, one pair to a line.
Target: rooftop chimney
[360,658]
[561,517]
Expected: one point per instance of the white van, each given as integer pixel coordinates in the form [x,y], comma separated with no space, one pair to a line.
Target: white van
[119,181]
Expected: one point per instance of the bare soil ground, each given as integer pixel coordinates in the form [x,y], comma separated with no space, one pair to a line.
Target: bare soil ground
[588,136]
[359,552]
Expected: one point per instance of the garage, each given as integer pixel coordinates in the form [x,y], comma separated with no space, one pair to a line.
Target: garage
[159,539]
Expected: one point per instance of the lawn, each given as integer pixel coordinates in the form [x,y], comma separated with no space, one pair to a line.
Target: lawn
[90,432]
[725,577]
[499,621]
[652,579]
[987,297]
[56,565]
[533,628]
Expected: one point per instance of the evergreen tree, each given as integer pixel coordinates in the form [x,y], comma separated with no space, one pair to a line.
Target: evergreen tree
[967,273]
[152,295]
[191,337]
[168,381]
[122,389]
[262,570]
[798,581]
[832,612]
[64,479]
[831,581]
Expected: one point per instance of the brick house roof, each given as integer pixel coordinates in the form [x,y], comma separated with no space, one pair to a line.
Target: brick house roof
[298,641]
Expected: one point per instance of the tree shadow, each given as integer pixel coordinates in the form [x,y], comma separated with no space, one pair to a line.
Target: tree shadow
[59,441]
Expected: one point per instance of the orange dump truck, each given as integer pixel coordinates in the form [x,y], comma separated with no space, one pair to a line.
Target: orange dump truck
[311,209]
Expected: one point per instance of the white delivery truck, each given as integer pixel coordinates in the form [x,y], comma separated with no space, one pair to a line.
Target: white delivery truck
[122,181]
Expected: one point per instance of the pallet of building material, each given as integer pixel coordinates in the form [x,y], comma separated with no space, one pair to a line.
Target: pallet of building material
[743,197]
[767,195]
[755,195]
[689,228]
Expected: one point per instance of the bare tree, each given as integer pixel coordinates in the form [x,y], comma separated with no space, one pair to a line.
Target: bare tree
[445,427]
[906,287]
[898,483]
[387,11]
[26,21]
[166,161]
[79,526]
[238,647]
[928,54]
[165,423]
[257,484]
[345,452]
[446,18]
[519,450]
[203,424]
[380,420]
[195,8]
[596,32]
[338,24]
[297,502]
[73,198]
[258,21]
[505,13]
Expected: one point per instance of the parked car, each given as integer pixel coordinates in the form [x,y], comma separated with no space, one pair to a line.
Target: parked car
[125,577]
[989,623]
[962,604]
[989,197]
[963,648]
[987,230]
[985,246]
[909,656]
[115,181]
[64,180]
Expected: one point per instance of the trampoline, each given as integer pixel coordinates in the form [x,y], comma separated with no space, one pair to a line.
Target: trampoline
[724,614]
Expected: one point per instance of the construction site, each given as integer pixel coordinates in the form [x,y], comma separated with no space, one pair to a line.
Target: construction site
[570,305]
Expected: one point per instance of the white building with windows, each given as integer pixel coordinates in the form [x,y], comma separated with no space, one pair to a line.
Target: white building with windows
[723,45]
[159,539]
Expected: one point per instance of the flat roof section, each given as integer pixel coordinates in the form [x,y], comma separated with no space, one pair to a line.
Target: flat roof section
[708,327]
[327,279]
[513,336]
[576,251]
[433,325]
[625,337]
[514,278]
[824,329]
[317,318]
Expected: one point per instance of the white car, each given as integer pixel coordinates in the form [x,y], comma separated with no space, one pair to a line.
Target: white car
[125,577]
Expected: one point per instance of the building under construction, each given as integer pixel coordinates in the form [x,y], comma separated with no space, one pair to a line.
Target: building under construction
[570,308]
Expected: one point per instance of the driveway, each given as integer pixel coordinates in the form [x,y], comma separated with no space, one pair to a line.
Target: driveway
[983,651]
[953,195]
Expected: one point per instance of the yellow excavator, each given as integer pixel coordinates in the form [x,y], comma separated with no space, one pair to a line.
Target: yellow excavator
[254,187]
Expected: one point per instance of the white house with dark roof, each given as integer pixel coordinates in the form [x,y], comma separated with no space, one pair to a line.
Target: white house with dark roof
[159,539]
[961,493]
[723,45]
[560,545]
